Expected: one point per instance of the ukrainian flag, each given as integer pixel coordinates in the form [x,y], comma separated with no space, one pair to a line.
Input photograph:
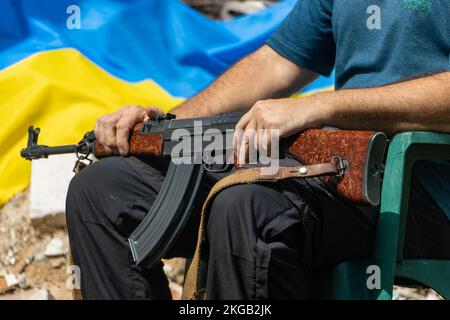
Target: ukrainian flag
[64,63]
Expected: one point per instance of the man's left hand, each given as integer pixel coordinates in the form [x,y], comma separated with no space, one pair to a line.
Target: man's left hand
[286,116]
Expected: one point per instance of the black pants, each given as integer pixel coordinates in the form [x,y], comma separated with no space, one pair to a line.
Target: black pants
[263,239]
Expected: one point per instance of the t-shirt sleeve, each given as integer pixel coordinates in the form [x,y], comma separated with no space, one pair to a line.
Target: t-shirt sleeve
[306,37]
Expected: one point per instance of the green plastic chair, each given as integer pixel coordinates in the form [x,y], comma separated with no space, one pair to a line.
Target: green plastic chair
[348,280]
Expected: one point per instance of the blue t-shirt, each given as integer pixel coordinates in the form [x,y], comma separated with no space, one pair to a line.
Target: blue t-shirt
[373,43]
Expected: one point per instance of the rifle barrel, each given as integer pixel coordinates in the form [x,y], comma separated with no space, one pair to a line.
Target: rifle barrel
[38,152]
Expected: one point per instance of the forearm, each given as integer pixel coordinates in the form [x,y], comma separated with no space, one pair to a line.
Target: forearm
[419,104]
[262,75]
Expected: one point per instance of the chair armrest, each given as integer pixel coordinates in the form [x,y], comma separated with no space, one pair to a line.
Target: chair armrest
[405,149]
[420,145]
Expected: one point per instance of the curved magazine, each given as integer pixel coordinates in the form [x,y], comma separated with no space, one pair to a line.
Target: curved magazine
[165,221]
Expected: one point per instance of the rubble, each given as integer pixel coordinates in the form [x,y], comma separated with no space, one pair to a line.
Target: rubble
[176,290]
[57,263]
[20,267]
[237,8]
[174,269]
[225,9]
[3,285]
[32,294]
[23,263]
[55,248]
[39,256]
[10,281]
[407,293]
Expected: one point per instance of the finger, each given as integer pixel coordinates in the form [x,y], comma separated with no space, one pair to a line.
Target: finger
[257,139]
[244,145]
[266,141]
[239,129]
[103,127]
[252,150]
[98,132]
[122,136]
[262,142]
[123,129]
[99,139]
[109,134]
[153,112]
[108,150]
[236,142]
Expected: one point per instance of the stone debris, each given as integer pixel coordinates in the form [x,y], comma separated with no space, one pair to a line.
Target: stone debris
[238,8]
[174,269]
[57,263]
[225,9]
[55,248]
[10,259]
[3,285]
[20,267]
[176,290]
[39,256]
[168,268]
[10,281]
[412,293]
[32,294]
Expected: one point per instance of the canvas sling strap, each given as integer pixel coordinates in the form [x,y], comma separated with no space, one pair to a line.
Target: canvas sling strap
[247,176]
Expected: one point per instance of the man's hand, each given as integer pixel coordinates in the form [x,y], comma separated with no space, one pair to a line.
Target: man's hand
[113,130]
[287,116]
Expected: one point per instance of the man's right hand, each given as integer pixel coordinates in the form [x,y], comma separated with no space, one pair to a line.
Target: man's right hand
[113,130]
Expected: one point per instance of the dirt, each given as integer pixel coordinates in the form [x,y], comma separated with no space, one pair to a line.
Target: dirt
[22,247]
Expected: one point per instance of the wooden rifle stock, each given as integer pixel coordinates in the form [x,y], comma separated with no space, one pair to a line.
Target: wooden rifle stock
[363,152]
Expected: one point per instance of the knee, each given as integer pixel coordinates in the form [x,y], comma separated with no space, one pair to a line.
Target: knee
[84,182]
[229,202]
[96,175]
[85,188]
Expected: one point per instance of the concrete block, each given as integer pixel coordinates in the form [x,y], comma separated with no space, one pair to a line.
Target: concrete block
[50,180]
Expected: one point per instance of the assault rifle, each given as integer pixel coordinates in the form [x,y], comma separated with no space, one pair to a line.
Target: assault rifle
[356,156]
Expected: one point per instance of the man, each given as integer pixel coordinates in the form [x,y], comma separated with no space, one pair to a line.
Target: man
[392,65]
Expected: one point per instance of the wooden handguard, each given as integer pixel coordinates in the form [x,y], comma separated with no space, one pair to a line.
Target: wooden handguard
[362,150]
[140,144]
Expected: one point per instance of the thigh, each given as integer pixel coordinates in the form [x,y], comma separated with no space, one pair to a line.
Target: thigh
[122,191]
[270,236]
[116,192]
[333,228]
[251,254]
[302,213]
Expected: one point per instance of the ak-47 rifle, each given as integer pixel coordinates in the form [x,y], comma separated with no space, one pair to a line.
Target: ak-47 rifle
[357,157]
